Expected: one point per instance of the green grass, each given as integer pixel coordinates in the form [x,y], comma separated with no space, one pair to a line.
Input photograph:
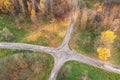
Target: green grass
[85,41]
[77,70]
[7,56]
[116,52]
[7,21]
[21,33]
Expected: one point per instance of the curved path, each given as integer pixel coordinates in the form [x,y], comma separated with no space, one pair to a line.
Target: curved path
[63,53]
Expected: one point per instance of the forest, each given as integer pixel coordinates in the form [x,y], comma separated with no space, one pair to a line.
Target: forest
[59,39]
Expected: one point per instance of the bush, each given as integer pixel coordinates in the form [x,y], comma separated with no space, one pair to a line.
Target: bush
[20,18]
[84,76]
[6,34]
[65,72]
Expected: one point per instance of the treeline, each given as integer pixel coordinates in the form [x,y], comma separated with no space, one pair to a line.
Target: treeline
[32,8]
[102,15]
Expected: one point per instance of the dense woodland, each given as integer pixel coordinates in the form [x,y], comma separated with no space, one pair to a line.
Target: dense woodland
[33,8]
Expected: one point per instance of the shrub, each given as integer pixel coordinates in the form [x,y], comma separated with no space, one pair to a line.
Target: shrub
[84,76]
[6,34]
[65,72]
[20,18]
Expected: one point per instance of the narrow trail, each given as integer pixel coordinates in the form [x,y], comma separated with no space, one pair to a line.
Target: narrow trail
[63,53]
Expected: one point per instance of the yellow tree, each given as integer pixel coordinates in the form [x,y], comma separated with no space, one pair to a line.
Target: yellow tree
[103,53]
[33,16]
[6,5]
[106,39]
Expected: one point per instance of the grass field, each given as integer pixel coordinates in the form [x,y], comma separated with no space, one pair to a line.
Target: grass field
[84,41]
[77,70]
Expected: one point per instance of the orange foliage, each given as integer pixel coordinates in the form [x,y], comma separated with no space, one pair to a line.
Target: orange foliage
[33,36]
[6,5]
[33,13]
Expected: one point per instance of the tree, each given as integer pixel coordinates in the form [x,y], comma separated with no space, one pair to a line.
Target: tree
[6,6]
[103,53]
[57,8]
[107,37]
[33,16]
[16,7]
[106,40]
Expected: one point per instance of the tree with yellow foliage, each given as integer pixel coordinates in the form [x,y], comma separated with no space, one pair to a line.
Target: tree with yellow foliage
[103,53]
[6,5]
[106,39]
[33,16]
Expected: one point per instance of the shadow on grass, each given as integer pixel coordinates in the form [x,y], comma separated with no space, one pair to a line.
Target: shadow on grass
[73,70]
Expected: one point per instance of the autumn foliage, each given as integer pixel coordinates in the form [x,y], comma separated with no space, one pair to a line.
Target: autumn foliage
[107,37]
[57,8]
[103,53]
[106,40]
[6,5]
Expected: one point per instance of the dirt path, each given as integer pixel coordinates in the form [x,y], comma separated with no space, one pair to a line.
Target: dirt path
[63,53]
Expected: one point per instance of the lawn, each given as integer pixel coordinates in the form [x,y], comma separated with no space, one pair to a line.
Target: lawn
[75,71]
[84,41]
